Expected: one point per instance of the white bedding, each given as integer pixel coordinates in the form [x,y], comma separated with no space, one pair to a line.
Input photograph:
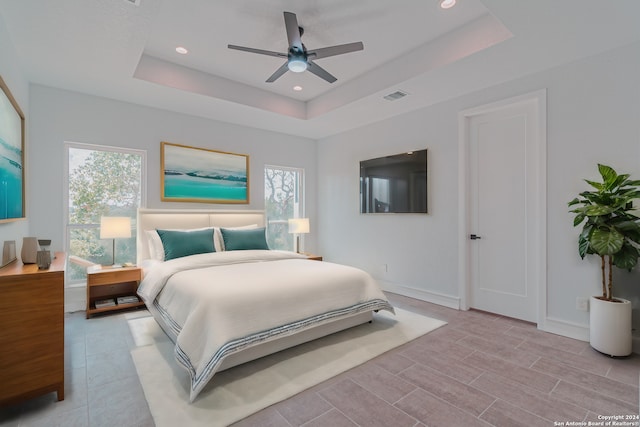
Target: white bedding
[217,304]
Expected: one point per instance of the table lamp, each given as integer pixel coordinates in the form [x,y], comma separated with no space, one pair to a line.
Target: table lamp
[298,226]
[115,227]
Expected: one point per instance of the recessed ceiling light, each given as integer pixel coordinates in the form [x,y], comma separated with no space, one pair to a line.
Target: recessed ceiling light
[297,88]
[447,4]
[182,50]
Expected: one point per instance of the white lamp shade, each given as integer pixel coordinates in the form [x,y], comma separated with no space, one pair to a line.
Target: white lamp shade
[299,225]
[113,227]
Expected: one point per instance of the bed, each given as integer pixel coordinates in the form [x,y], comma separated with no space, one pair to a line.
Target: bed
[231,300]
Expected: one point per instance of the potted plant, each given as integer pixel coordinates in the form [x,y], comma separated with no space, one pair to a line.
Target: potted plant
[612,232]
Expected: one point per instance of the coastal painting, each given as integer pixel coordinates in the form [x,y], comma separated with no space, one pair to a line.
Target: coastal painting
[200,175]
[11,157]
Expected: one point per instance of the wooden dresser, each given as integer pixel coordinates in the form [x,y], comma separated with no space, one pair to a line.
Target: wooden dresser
[31,330]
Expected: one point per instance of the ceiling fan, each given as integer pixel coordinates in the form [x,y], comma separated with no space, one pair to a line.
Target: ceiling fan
[298,57]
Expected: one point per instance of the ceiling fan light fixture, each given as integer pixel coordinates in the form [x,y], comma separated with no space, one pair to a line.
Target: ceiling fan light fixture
[297,54]
[297,65]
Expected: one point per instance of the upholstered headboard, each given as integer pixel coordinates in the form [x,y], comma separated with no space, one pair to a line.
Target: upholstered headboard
[151,219]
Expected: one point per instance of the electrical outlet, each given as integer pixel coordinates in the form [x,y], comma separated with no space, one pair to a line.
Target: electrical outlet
[582,304]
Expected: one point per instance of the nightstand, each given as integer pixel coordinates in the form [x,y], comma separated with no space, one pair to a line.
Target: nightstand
[109,284]
[312,256]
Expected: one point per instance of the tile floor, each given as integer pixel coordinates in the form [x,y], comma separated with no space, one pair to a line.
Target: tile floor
[479,370]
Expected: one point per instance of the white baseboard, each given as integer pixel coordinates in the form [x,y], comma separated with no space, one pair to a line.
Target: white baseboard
[566,329]
[428,296]
[577,331]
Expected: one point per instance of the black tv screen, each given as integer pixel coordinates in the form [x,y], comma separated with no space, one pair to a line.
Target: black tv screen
[394,184]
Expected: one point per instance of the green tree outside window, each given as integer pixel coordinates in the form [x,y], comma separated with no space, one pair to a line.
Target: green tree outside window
[283,188]
[101,183]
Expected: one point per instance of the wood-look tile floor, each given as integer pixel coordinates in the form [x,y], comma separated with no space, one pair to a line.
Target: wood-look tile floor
[479,370]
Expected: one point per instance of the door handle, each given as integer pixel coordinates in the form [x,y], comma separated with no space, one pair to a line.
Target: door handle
[474,237]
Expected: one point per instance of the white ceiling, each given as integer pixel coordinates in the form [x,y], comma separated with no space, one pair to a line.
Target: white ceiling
[114,49]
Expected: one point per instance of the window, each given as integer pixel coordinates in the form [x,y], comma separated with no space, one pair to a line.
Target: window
[101,181]
[283,199]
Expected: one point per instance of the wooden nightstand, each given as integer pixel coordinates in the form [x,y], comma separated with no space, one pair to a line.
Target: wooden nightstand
[111,283]
[312,256]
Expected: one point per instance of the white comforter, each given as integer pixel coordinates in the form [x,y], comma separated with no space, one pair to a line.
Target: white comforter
[219,303]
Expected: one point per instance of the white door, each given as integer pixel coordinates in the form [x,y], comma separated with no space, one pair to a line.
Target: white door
[504,196]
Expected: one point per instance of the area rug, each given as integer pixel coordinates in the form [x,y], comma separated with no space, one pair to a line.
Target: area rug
[241,391]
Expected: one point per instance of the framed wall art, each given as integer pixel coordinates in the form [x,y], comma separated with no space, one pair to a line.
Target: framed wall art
[8,252]
[191,174]
[11,157]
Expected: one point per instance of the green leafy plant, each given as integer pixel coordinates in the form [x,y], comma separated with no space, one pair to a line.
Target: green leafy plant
[610,230]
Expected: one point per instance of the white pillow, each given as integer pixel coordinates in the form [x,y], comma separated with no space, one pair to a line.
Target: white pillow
[156,248]
[218,241]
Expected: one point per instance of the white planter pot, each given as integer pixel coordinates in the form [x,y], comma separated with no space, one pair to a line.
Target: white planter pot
[610,326]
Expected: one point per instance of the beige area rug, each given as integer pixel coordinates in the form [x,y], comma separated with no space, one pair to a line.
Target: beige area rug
[241,391]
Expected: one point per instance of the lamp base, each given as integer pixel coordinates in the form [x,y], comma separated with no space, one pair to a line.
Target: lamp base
[113,266]
[113,257]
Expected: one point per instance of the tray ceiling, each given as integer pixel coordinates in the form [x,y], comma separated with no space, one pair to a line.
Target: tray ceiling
[115,49]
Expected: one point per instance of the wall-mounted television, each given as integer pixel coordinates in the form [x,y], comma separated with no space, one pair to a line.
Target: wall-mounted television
[394,184]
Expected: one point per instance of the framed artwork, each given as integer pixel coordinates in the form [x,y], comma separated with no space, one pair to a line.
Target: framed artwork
[8,252]
[11,157]
[200,175]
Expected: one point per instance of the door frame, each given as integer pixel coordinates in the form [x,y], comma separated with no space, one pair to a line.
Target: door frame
[539,251]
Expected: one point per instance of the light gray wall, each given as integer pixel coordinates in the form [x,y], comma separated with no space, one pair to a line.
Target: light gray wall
[19,86]
[593,116]
[59,116]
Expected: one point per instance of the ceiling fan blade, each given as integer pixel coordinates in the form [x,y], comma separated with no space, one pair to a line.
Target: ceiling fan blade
[260,51]
[293,31]
[325,52]
[320,72]
[278,73]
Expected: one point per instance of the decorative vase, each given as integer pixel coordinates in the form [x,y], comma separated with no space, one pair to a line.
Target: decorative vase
[610,326]
[29,252]
[44,260]
[44,256]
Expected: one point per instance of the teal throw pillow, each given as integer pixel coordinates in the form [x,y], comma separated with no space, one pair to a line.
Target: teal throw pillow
[179,244]
[238,240]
